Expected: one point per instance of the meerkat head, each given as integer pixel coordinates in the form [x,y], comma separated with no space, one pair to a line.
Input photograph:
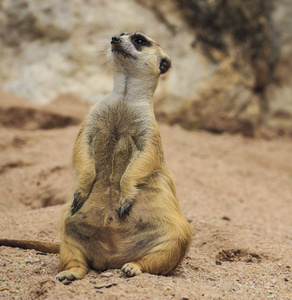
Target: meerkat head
[136,53]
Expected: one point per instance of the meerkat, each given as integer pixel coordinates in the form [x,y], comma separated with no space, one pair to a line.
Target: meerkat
[125,212]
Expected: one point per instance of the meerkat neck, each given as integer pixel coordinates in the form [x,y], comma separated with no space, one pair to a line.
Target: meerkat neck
[130,88]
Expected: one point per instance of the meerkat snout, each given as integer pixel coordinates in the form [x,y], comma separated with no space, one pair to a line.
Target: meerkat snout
[115,40]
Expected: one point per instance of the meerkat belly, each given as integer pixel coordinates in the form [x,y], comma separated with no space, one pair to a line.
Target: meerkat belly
[113,154]
[108,241]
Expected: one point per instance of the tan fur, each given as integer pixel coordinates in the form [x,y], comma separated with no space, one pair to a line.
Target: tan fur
[125,212]
[120,169]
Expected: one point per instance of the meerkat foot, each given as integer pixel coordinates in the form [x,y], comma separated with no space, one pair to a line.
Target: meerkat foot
[72,274]
[131,269]
[124,208]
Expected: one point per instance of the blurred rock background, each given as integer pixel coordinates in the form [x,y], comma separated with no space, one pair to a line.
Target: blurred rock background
[232,68]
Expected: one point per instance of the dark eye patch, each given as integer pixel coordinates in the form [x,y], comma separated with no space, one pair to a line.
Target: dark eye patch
[140,41]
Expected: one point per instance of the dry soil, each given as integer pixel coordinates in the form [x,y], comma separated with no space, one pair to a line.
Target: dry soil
[235,192]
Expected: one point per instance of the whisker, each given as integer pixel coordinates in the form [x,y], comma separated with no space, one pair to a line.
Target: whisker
[170,47]
[141,29]
[119,29]
[102,66]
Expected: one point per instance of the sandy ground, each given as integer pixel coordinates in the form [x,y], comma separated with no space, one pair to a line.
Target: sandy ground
[235,192]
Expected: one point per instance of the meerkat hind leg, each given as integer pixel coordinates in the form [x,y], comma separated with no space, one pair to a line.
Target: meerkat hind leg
[73,264]
[152,263]
[160,262]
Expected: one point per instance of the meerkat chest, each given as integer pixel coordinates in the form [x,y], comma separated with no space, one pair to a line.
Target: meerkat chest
[119,131]
[119,120]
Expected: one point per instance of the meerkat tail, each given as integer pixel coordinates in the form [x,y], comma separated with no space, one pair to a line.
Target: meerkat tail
[45,247]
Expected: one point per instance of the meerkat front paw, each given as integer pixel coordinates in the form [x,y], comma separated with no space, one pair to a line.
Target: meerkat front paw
[124,207]
[131,269]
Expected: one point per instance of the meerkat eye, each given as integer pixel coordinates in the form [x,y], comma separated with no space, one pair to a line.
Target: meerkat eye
[139,40]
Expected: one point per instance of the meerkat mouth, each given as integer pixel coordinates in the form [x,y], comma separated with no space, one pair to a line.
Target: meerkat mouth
[122,53]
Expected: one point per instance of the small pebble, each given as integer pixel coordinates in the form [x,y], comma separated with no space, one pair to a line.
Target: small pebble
[107,274]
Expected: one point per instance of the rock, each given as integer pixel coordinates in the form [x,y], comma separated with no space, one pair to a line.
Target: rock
[231,59]
[106,274]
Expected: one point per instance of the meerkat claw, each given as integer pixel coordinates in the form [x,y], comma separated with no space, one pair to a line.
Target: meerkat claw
[77,203]
[131,269]
[65,275]
[123,211]
[60,278]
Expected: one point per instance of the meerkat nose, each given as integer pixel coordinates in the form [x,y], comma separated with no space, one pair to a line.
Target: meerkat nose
[115,40]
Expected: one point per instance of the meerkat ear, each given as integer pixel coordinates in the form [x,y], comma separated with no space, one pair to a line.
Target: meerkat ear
[165,64]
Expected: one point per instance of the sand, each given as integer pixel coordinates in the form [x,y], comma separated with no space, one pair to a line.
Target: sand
[235,192]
